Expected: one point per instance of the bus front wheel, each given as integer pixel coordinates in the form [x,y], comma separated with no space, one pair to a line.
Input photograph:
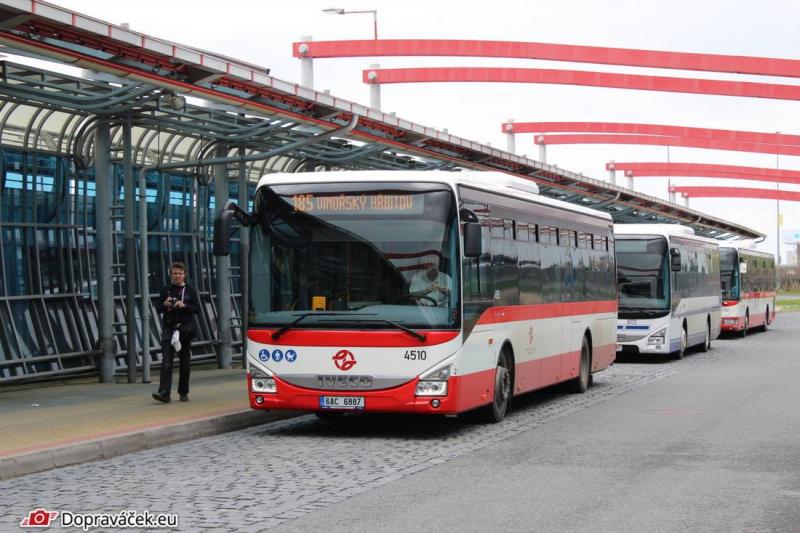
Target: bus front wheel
[707,343]
[765,326]
[746,324]
[684,344]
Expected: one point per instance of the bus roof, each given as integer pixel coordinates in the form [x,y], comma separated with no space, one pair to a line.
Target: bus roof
[497,182]
[748,247]
[662,230]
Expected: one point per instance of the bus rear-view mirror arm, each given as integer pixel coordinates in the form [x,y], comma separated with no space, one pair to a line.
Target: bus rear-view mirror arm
[223,225]
[675,260]
[472,239]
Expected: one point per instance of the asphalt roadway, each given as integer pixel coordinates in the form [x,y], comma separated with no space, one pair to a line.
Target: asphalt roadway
[708,443]
[714,448]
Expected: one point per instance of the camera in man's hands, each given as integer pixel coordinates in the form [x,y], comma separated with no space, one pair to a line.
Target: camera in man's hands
[172,300]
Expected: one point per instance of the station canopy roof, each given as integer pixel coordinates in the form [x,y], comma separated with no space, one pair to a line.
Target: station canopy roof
[182,102]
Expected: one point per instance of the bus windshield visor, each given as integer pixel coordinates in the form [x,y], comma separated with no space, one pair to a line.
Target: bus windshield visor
[729,273]
[355,255]
[643,273]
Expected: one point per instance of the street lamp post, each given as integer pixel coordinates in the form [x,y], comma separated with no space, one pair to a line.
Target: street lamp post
[341,11]
[374,88]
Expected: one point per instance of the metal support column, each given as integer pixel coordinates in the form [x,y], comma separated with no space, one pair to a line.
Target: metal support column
[223,272]
[542,153]
[306,65]
[130,250]
[374,88]
[144,284]
[511,137]
[630,181]
[244,254]
[686,201]
[612,172]
[104,247]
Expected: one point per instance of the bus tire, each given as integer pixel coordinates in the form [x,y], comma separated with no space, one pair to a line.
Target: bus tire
[706,346]
[581,383]
[743,333]
[496,411]
[684,343]
[765,325]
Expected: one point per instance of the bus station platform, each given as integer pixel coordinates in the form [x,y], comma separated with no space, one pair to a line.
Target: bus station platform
[50,425]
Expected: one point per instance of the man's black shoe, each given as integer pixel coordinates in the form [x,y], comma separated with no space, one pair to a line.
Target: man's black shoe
[161,398]
[184,397]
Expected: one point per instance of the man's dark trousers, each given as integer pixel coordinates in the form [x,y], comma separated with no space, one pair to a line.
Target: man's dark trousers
[184,356]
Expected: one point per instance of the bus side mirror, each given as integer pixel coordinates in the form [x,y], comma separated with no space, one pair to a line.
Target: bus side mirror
[472,239]
[223,222]
[675,260]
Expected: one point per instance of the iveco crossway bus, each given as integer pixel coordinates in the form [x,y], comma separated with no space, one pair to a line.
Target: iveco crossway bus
[748,288]
[669,289]
[423,292]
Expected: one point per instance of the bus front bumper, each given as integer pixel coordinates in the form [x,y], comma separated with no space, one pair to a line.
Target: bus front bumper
[401,399]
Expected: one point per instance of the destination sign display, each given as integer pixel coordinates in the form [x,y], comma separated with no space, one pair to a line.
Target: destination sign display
[359,204]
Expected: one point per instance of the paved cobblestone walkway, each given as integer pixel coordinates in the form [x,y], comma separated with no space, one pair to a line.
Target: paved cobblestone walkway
[255,479]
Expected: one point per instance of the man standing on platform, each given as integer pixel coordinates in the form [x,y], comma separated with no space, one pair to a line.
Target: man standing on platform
[178,302]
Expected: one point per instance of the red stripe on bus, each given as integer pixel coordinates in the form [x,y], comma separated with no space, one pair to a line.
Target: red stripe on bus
[749,295]
[465,392]
[513,313]
[355,338]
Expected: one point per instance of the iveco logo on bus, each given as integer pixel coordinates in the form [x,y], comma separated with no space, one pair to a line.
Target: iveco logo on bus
[344,382]
[344,360]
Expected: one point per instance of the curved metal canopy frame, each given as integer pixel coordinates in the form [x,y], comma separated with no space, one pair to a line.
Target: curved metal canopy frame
[736,192]
[764,66]
[651,129]
[659,140]
[582,78]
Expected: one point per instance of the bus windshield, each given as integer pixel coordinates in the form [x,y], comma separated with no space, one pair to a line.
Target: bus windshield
[643,274]
[729,273]
[345,255]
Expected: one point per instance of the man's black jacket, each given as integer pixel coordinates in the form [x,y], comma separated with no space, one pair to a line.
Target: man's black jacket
[175,316]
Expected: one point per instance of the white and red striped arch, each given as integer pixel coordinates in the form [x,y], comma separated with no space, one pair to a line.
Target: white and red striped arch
[763,66]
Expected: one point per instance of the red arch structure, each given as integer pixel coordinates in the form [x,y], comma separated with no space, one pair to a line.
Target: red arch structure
[660,140]
[582,78]
[735,192]
[704,170]
[651,129]
[763,66]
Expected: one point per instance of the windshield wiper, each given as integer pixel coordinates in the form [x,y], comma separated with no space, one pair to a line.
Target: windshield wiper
[356,318]
[277,334]
[415,334]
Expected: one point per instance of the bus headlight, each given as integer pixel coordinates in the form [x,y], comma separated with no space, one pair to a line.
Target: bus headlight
[431,388]
[658,338]
[433,382]
[261,382]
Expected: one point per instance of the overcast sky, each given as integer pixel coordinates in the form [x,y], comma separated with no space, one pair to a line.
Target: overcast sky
[262,33]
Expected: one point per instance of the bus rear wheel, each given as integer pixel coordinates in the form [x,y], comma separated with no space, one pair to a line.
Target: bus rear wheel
[582,382]
[496,411]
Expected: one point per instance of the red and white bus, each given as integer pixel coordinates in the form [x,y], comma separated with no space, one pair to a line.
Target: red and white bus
[424,292]
[748,289]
